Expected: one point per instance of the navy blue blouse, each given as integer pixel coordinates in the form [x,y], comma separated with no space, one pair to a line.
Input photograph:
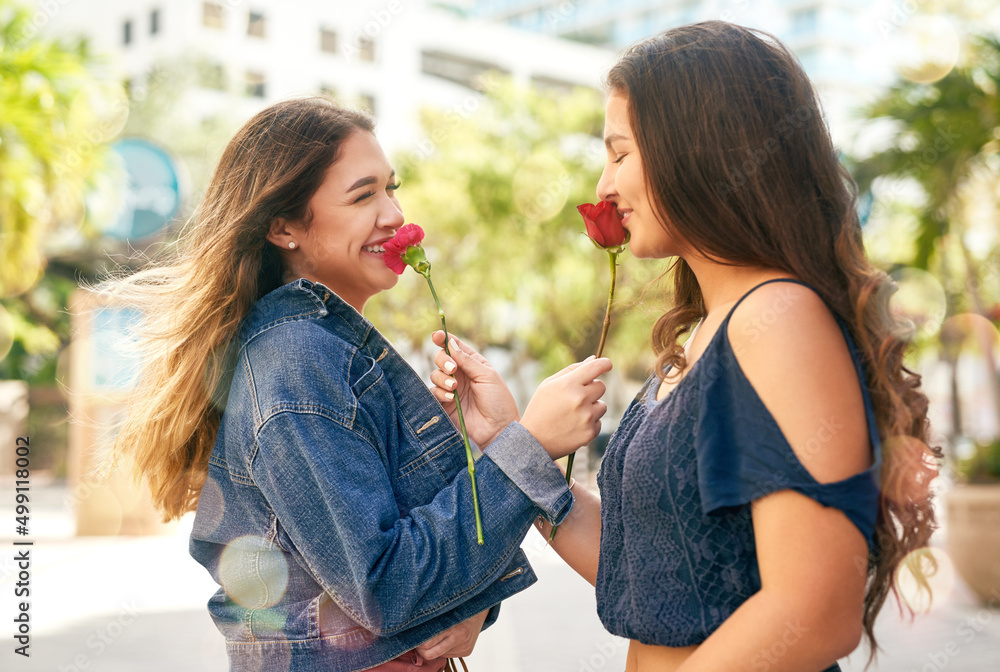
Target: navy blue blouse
[677,542]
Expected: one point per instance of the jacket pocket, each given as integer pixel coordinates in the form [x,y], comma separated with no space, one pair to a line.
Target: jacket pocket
[420,479]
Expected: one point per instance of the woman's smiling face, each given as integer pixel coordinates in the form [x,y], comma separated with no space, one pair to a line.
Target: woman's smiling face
[623,182]
[353,213]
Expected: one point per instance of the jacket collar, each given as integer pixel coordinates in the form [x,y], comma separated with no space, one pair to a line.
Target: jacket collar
[303,300]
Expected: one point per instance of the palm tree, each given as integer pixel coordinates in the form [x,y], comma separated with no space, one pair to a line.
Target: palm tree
[55,118]
[946,138]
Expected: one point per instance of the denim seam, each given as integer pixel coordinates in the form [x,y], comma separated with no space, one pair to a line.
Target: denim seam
[310,640]
[429,456]
[278,322]
[311,409]
[252,384]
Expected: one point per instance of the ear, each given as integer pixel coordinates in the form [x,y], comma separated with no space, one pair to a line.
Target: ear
[281,233]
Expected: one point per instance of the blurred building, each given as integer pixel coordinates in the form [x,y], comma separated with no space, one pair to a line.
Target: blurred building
[840,43]
[391,56]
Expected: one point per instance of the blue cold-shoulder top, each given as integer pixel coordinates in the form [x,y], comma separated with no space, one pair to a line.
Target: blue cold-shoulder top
[677,543]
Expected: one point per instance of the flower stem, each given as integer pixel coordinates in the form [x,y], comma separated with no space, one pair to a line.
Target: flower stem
[613,257]
[611,298]
[461,419]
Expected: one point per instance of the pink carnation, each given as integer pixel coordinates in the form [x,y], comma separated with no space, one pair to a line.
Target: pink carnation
[408,236]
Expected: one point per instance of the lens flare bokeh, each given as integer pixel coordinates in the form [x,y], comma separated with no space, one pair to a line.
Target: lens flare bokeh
[926,48]
[253,572]
[918,305]
[541,187]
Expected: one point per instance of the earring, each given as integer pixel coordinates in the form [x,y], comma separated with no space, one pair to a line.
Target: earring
[291,245]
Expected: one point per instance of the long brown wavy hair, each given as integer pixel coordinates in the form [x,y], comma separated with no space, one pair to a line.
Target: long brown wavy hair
[741,166]
[194,298]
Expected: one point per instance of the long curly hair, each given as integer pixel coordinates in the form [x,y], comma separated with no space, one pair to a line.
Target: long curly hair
[194,298]
[741,166]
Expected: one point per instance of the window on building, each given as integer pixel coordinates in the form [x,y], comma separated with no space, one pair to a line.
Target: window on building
[154,22]
[257,26]
[366,49]
[213,15]
[804,21]
[459,69]
[327,41]
[256,85]
[368,103]
[127,32]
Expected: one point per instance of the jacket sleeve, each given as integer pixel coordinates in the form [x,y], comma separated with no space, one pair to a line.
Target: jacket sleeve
[330,491]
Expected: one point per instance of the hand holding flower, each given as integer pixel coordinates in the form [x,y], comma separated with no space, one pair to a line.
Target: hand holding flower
[566,409]
[604,226]
[487,403]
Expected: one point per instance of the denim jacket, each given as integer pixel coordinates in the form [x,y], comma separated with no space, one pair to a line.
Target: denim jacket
[337,514]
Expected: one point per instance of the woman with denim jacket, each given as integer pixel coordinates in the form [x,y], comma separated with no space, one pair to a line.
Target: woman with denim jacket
[333,498]
[771,476]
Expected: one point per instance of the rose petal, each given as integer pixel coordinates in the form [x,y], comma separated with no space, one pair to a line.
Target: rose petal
[604,224]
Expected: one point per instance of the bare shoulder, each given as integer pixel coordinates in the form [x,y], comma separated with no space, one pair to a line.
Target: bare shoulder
[792,350]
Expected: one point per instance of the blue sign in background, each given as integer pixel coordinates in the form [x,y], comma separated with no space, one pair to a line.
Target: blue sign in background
[152,197]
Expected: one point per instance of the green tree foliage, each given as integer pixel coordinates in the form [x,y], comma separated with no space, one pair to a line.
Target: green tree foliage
[947,145]
[495,185]
[56,116]
[945,131]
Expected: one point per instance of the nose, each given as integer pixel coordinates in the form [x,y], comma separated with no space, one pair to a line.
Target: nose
[391,216]
[606,185]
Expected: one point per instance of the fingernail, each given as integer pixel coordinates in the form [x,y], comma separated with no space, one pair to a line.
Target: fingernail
[454,344]
[590,358]
[449,396]
[449,367]
[451,383]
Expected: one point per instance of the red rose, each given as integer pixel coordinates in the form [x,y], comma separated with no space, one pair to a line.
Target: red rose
[408,236]
[604,224]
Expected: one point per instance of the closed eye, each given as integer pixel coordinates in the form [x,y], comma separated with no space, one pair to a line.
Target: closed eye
[620,158]
[368,194]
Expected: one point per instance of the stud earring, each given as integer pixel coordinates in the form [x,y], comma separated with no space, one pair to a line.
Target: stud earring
[291,245]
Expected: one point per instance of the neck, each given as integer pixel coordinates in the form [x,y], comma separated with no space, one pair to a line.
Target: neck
[723,285]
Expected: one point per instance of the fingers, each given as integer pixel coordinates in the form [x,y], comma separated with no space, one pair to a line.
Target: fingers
[444,386]
[589,369]
[431,650]
[437,647]
[444,362]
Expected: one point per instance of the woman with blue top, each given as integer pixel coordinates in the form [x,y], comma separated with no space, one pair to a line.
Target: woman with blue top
[334,506]
[741,524]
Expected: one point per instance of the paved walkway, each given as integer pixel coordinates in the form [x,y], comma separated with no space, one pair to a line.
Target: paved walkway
[131,604]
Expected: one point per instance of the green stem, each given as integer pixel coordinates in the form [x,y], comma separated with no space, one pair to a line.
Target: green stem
[613,257]
[461,419]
